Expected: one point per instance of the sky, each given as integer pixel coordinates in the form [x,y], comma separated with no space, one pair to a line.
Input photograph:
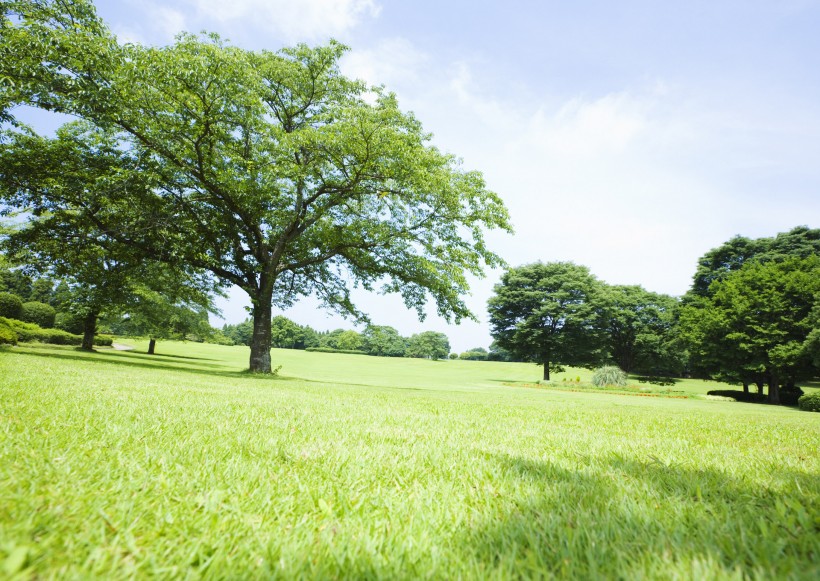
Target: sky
[630,137]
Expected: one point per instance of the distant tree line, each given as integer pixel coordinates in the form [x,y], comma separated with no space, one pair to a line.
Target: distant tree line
[752,316]
[378,340]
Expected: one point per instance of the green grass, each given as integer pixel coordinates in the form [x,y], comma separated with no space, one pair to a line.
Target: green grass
[119,464]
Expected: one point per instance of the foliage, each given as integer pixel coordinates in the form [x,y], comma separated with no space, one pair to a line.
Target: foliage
[334,350]
[609,375]
[383,341]
[31,333]
[757,323]
[549,314]
[810,402]
[270,170]
[555,484]
[474,354]
[40,313]
[286,334]
[240,333]
[11,306]
[68,321]
[640,330]
[7,334]
[428,345]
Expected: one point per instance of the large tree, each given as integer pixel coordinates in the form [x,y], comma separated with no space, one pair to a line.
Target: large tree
[639,326]
[713,352]
[272,171]
[549,314]
[759,321]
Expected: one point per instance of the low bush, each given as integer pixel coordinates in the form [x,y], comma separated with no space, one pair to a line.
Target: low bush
[7,334]
[609,375]
[11,306]
[331,350]
[31,333]
[38,313]
[809,402]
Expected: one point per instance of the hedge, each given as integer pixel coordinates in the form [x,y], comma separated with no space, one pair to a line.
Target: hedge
[7,335]
[31,333]
[331,350]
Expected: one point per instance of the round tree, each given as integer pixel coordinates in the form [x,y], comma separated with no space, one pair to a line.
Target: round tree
[549,314]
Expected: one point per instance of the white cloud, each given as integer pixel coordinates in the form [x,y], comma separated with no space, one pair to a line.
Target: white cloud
[291,20]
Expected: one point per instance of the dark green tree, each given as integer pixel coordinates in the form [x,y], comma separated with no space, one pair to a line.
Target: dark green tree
[759,322]
[550,314]
[270,170]
[640,330]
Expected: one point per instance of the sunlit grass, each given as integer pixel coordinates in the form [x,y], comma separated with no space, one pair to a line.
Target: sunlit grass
[182,466]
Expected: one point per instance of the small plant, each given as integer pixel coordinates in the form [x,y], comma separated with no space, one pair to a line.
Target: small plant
[810,402]
[578,379]
[609,375]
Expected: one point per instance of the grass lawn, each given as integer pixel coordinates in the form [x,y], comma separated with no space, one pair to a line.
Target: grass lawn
[120,464]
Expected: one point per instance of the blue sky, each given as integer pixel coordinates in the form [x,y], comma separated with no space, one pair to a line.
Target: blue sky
[629,136]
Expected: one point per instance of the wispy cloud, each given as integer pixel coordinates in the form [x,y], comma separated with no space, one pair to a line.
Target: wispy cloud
[292,21]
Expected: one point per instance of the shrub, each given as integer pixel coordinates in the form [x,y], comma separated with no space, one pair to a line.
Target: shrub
[70,322]
[7,334]
[331,350]
[39,314]
[11,306]
[31,333]
[810,402]
[609,375]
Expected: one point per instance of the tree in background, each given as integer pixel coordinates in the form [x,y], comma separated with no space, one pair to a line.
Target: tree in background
[640,330]
[285,334]
[550,314]
[272,171]
[759,322]
[383,341]
[428,345]
[703,325]
[163,315]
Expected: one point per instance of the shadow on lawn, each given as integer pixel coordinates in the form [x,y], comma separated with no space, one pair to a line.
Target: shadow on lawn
[628,519]
[145,361]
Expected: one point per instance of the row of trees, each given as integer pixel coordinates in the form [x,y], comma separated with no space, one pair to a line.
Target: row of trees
[379,340]
[751,316]
[200,165]
[65,305]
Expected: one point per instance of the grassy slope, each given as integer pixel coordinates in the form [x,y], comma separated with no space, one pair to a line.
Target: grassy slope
[180,465]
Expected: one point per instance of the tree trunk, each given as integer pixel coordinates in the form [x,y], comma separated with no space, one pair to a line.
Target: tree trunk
[745,387]
[759,387]
[546,370]
[89,330]
[152,343]
[774,389]
[261,338]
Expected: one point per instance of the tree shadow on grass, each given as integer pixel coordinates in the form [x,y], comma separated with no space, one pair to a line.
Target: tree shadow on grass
[150,362]
[628,519]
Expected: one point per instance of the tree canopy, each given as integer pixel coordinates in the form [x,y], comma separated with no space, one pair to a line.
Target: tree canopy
[270,170]
[549,314]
